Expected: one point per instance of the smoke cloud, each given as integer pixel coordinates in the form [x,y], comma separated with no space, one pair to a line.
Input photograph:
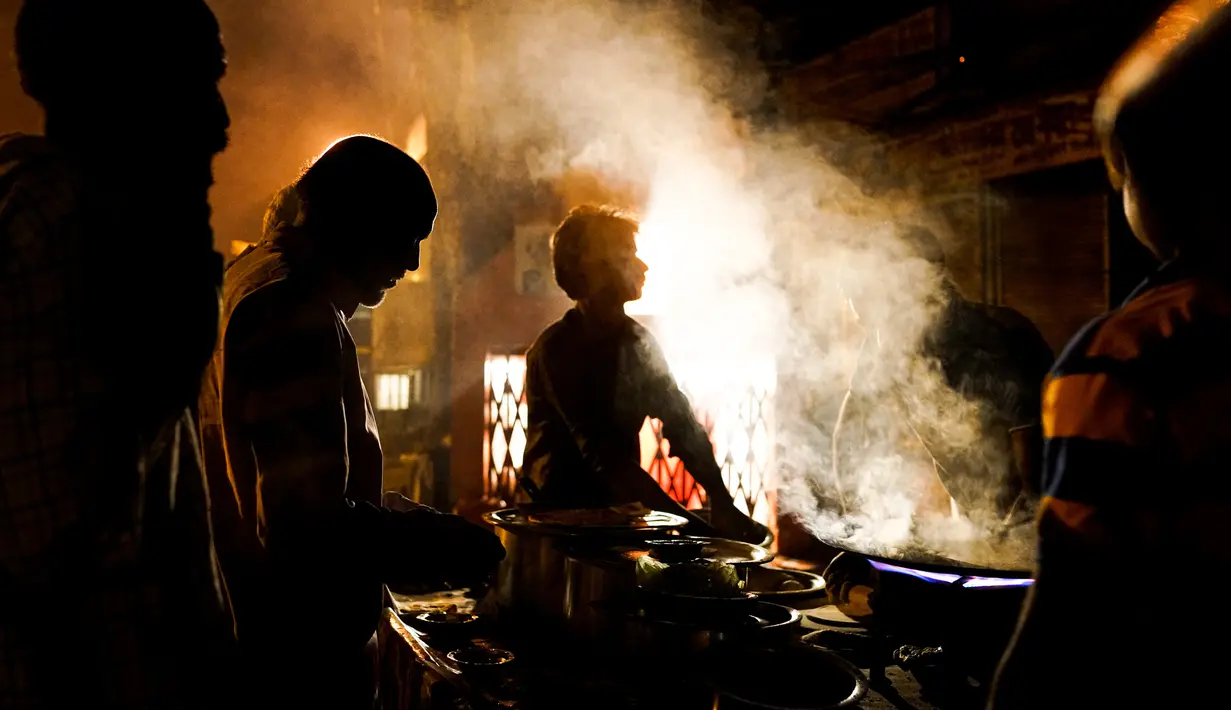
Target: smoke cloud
[772,266]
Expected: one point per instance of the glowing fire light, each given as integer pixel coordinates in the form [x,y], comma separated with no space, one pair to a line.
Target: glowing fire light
[416,142]
[966,581]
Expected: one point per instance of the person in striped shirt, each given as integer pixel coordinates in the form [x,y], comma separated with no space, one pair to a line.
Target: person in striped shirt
[1135,527]
[292,451]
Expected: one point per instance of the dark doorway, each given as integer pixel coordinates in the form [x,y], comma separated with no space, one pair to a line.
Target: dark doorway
[1047,252]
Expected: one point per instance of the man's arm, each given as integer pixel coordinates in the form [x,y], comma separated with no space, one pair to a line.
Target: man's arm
[689,441]
[282,379]
[284,363]
[1100,451]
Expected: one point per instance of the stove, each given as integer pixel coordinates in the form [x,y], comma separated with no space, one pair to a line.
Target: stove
[946,630]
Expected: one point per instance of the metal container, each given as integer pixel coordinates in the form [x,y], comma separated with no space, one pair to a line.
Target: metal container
[637,632]
[532,581]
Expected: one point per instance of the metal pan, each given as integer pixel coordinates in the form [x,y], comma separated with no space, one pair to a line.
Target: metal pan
[931,562]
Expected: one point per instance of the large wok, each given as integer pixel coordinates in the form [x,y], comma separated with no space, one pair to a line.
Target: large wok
[926,561]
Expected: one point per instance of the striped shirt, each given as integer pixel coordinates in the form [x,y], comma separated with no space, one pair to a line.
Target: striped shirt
[1135,525]
[1141,399]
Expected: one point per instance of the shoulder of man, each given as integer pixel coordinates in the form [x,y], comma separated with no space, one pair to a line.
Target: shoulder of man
[280,310]
[40,189]
[1155,325]
[555,337]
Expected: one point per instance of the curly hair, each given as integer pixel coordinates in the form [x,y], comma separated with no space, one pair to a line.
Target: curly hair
[581,229]
[284,208]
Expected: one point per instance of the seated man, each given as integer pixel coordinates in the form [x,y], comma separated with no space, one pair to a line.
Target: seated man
[292,453]
[594,376]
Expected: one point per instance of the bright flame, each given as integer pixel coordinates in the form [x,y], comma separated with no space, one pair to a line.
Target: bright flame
[416,142]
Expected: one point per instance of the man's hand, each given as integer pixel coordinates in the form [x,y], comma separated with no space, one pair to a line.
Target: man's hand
[426,546]
[396,501]
[850,584]
[734,525]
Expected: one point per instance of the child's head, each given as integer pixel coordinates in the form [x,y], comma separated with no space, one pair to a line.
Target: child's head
[1160,117]
[594,256]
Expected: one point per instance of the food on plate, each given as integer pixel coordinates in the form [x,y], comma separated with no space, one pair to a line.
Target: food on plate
[698,578]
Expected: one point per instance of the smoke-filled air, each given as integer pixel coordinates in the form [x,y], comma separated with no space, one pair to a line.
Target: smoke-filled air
[771,270]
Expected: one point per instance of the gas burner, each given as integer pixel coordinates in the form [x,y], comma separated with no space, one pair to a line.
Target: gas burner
[959,580]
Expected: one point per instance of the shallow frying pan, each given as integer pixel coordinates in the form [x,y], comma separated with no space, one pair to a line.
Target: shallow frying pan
[929,562]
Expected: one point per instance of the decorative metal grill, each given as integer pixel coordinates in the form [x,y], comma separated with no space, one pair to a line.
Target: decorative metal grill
[741,430]
[504,415]
[743,445]
[669,471]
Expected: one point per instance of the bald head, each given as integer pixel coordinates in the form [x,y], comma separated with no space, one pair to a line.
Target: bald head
[370,204]
[362,178]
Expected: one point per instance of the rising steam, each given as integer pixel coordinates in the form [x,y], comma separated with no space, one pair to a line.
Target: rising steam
[767,261]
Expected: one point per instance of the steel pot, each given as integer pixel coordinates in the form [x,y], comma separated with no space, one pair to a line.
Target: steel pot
[532,581]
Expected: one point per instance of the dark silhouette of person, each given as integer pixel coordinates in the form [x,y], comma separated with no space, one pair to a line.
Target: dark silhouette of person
[1136,413]
[291,445]
[989,354]
[996,356]
[110,598]
[594,376]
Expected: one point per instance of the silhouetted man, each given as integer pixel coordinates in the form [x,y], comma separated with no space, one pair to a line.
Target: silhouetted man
[991,355]
[595,375]
[291,445]
[1136,413]
[106,568]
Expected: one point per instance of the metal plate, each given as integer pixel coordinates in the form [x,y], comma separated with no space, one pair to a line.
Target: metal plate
[732,552]
[764,582]
[654,521]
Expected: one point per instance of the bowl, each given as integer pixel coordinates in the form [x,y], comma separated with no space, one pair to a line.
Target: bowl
[482,663]
[445,626]
[676,550]
[445,620]
[805,678]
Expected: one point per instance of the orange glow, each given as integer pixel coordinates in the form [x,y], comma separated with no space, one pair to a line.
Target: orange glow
[961,60]
[416,141]
[238,247]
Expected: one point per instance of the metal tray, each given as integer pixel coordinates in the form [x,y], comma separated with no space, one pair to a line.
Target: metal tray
[732,552]
[654,521]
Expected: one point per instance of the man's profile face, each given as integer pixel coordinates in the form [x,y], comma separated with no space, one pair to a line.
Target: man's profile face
[187,104]
[381,269]
[614,269]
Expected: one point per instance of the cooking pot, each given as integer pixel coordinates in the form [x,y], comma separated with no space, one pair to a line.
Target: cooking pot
[532,581]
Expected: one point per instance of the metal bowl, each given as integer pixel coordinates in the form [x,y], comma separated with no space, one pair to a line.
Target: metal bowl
[444,624]
[482,665]
[676,549]
[481,657]
[807,678]
[783,586]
